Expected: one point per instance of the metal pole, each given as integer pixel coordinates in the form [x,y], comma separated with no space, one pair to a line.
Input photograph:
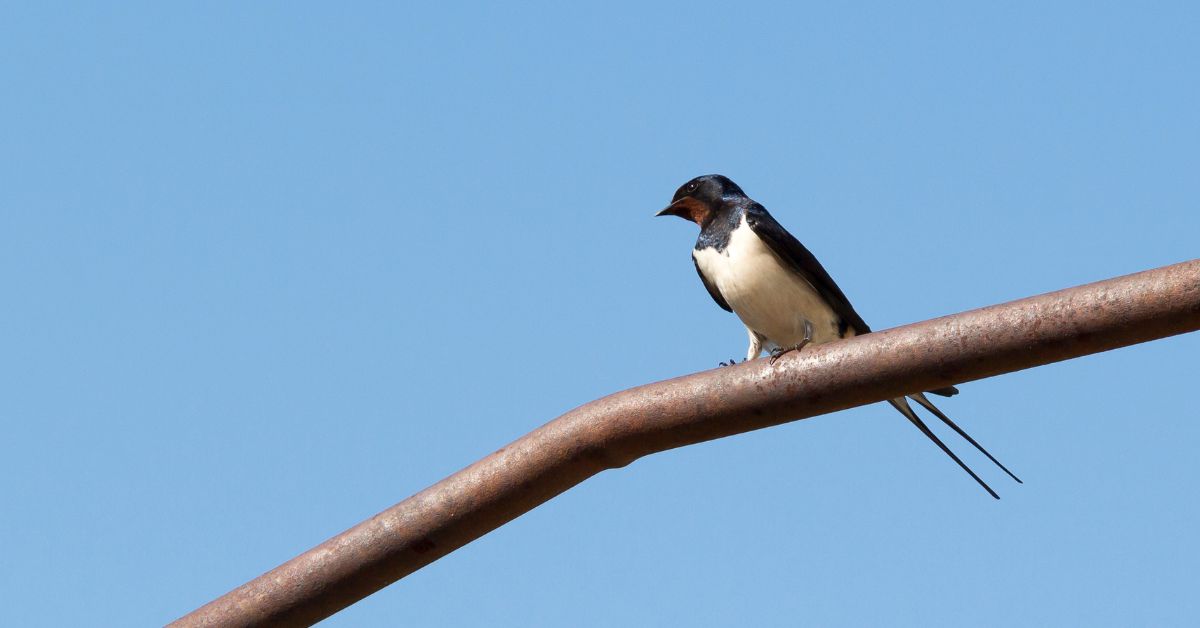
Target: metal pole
[618,429]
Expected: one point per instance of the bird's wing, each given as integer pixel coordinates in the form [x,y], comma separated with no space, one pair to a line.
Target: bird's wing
[712,290]
[789,249]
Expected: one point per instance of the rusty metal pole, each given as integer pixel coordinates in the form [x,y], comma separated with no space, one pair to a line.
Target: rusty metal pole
[618,429]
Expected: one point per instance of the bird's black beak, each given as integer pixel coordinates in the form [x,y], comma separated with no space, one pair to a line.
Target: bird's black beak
[690,209]
[681,208]
[669,210]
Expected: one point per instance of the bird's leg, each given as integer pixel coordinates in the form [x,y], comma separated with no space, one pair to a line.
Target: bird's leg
[753,351]
[755,348]
[778,352]
[756,343]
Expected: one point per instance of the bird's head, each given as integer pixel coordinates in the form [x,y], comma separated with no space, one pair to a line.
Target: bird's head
[699,200]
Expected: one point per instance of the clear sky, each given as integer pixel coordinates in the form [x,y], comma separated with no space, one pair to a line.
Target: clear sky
[270,269]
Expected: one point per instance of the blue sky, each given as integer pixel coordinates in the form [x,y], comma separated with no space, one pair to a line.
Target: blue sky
[270,269]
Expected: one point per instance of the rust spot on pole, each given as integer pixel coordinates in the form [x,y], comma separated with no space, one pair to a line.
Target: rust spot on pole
[618,429]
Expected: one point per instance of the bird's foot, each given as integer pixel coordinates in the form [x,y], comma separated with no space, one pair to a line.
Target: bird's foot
[778,352]
[731,362]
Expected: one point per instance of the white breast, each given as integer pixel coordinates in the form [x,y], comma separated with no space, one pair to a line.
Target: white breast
[769,297]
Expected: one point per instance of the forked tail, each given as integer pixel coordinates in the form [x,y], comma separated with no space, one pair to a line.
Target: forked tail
[901,404]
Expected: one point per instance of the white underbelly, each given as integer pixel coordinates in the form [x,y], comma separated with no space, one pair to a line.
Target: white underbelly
[770,298]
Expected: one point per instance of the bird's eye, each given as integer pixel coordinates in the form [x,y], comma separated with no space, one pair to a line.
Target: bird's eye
[692,186]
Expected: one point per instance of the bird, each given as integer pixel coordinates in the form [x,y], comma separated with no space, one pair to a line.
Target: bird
[754,268]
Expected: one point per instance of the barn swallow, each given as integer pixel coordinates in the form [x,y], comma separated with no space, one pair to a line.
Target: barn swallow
[753,267]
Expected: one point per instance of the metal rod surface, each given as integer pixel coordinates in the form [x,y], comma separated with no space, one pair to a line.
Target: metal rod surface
[620,428]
